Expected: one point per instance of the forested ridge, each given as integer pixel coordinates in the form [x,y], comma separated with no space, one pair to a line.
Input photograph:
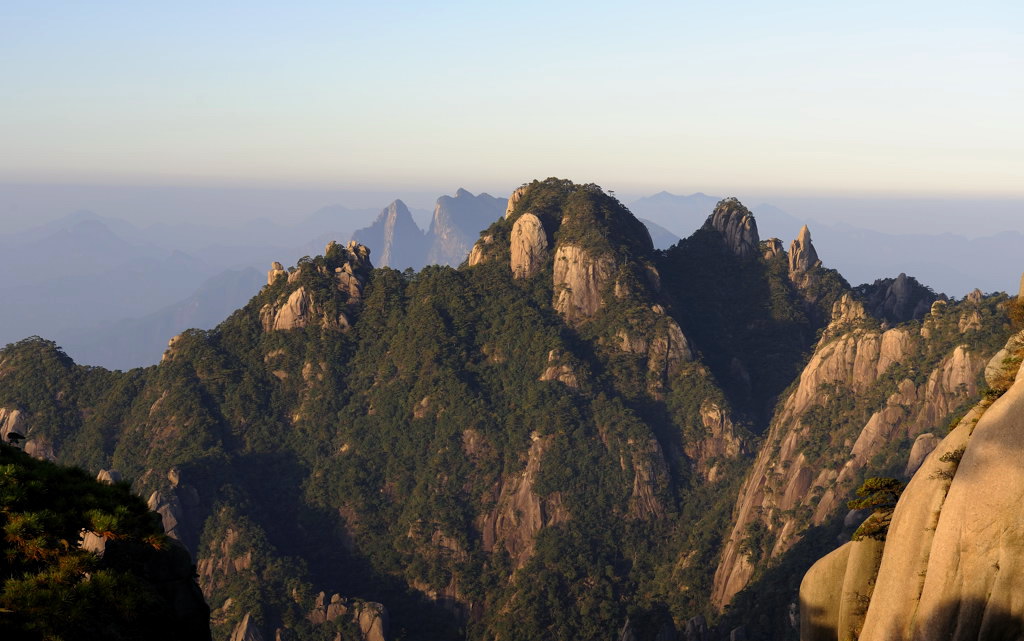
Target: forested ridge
[546,442]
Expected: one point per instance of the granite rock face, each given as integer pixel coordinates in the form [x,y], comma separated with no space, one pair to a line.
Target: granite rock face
[836,590]
[519,512]
[772,248]
[529,248]
[737,226]
[580,278]
[802,256]
[852,355]
[297,307]
[514,199]
[951,566]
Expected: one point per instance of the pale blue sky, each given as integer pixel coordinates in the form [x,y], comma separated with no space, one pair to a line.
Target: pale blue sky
[785,96]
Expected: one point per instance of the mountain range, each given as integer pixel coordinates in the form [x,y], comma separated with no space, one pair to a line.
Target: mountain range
[571,435]
[142,279]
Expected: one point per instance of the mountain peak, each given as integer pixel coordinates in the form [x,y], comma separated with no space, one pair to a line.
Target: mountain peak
[737,226]
[395,237]
[802,255]
[462,193]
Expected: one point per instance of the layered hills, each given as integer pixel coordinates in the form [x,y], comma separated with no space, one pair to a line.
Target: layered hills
[573,435]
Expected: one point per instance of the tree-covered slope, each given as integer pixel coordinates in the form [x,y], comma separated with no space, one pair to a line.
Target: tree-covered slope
[87,560]
[544,443]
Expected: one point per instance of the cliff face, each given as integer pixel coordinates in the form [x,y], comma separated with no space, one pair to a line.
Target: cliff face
[863,391]
[529,248]
[950,566]
[580,279]
[737,226]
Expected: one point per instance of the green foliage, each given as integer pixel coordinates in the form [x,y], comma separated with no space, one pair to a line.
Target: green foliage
[1015,310]
[879,495]
[54,589]
[367,461]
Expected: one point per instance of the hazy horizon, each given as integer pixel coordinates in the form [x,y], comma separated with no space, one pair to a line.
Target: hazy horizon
[25,205]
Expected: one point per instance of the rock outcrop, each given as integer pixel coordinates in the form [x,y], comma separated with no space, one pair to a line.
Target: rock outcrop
[835,592]
[478,254]
[737,226]
[771,248]
[787,476]
[897,300]
[247,630]
[300,307]
[514,199]
[924,445]
[12,420]
[529,247]
[559,369]
[296,312]
[951,564]
[802,257]
[370,617]
[109,477]
[721,441]
[519,513]
[176,504]
[580,278]
[276,270]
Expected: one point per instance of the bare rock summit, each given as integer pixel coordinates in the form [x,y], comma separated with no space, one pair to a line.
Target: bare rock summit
[737,226]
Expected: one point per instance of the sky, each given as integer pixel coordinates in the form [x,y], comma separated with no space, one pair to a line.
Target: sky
[788,98]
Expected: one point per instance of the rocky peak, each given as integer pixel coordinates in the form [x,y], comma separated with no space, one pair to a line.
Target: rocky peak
[303,306]
[897,300]
[276,269]
[457,221]
[847,313]
[514,199]
[802,256]
[394,237]
[737,226]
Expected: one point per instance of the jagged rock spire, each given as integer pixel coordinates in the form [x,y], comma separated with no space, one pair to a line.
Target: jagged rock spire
[737,226]
[802,256]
